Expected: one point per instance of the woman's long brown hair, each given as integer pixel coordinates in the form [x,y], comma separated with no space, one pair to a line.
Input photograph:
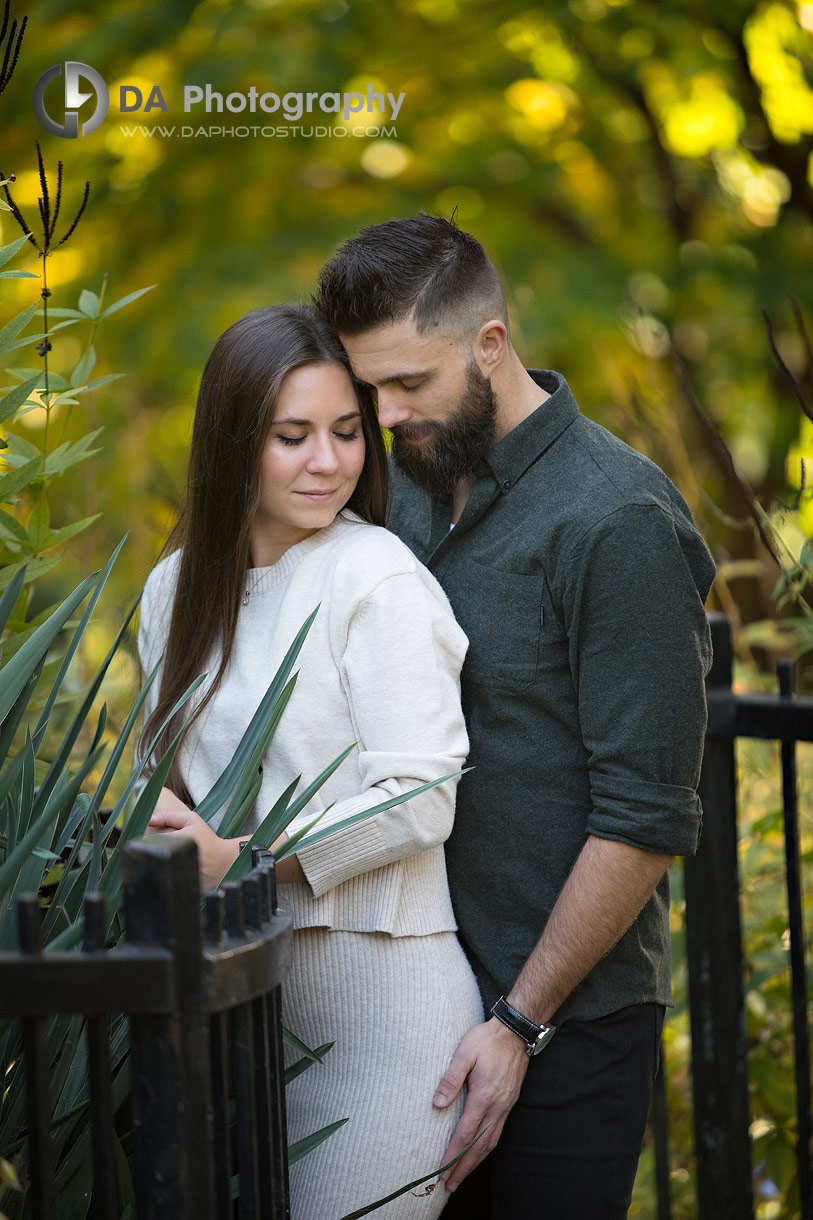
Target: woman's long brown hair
[235,407]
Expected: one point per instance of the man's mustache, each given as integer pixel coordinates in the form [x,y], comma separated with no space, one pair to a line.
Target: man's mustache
[416,429]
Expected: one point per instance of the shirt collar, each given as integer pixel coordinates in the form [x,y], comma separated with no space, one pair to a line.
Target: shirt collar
[512,456]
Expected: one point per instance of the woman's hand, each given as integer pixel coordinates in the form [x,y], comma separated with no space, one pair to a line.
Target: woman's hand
[215,855]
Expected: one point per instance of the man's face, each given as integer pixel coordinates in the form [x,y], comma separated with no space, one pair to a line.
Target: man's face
[439,407]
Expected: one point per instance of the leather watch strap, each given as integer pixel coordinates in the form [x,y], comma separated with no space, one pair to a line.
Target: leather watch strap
[534,1036]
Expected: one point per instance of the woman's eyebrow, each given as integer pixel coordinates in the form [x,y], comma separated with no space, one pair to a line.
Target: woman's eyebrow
[289,419]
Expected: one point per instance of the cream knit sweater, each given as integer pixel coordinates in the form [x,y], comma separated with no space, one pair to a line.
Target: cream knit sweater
[380,667]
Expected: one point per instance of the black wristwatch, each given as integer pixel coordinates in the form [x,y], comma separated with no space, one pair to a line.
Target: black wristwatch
[534,1036]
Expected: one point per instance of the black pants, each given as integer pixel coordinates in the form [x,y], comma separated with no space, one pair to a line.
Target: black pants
[569,1149]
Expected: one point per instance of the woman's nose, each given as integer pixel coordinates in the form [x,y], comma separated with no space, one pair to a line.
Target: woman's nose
[323,454]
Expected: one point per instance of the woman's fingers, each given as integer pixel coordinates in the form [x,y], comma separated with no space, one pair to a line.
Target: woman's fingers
[174,819]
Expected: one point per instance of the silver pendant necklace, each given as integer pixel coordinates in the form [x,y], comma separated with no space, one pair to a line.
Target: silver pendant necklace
[250,589]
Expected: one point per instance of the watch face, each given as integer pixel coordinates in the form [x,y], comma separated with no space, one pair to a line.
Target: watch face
[545,1035]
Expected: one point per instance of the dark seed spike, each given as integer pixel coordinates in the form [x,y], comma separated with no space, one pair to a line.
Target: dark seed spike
[58,199]
[45,210]
[5,71]
[18,216]
[6,12]
[23,24]
[82,207]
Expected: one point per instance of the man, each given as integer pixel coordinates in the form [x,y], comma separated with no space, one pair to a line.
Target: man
[575,568]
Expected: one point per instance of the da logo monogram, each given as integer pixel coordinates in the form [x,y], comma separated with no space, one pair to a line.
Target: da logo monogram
[75,73]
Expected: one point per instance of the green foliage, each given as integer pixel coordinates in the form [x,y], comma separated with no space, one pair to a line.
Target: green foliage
[26,533]
[27,539]
[29,472]
[58,821]
[637,171]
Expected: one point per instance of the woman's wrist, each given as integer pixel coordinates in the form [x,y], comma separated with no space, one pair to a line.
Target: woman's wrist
[227,852]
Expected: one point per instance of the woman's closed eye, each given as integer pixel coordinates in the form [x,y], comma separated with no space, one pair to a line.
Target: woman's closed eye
[298,440]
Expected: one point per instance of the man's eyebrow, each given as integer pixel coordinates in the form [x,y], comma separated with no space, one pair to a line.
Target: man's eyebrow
[303,423]
[424,373]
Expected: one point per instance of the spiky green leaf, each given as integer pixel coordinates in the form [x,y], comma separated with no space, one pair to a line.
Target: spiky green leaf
[304,1146]
[132,296]
[10,403]
[88,303]
[13,327]
[7,252]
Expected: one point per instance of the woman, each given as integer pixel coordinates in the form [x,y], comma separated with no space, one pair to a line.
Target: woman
[286,495]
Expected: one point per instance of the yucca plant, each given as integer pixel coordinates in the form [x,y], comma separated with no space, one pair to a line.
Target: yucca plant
[53,831]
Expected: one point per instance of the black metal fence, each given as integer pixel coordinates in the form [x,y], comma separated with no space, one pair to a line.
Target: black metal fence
[208,1101]
[715,955]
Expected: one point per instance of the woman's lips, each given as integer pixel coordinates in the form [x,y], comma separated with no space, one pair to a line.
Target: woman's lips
[318,497]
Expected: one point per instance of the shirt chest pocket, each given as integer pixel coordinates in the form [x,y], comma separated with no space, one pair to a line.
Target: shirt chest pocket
[511,626]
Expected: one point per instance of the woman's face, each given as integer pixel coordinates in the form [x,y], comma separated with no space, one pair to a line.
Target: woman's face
[313,456]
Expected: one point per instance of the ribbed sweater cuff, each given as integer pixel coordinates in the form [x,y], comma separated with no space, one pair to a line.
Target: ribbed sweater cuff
[345,854]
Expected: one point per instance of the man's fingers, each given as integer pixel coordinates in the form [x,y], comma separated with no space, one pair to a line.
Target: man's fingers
[486,1144]
[454,1077]
[449,1086]
[470,1122]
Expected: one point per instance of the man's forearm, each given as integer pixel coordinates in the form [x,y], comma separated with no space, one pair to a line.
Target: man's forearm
[609,884]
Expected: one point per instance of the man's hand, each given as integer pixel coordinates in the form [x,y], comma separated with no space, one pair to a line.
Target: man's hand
[493,1060]
[609,884]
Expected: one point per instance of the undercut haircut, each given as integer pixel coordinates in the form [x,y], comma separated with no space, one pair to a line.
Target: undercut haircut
[423,267]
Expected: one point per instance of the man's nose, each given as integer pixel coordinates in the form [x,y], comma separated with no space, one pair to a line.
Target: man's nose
[390,411]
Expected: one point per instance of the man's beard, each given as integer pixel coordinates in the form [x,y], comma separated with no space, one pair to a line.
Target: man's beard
[456,448]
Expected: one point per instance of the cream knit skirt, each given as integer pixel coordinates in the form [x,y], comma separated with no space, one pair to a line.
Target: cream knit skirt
[397,1008]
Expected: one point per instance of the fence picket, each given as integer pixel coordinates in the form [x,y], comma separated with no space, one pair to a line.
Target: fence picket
[188,1049]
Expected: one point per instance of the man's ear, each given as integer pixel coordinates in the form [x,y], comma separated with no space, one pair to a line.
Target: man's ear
[490,347]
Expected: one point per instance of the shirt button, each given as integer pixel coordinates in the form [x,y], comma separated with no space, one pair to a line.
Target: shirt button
[506,484]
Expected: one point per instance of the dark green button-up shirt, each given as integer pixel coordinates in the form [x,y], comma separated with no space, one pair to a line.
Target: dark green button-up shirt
[580,579]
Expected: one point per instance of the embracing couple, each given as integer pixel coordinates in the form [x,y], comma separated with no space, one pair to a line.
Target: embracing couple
[534,609]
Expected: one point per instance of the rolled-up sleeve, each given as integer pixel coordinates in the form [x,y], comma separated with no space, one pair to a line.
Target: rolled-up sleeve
[640,649]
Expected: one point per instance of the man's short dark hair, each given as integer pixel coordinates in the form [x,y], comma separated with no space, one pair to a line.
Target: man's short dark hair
[423,267]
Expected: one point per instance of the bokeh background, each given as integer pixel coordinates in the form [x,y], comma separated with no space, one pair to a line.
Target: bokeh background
[640,174]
